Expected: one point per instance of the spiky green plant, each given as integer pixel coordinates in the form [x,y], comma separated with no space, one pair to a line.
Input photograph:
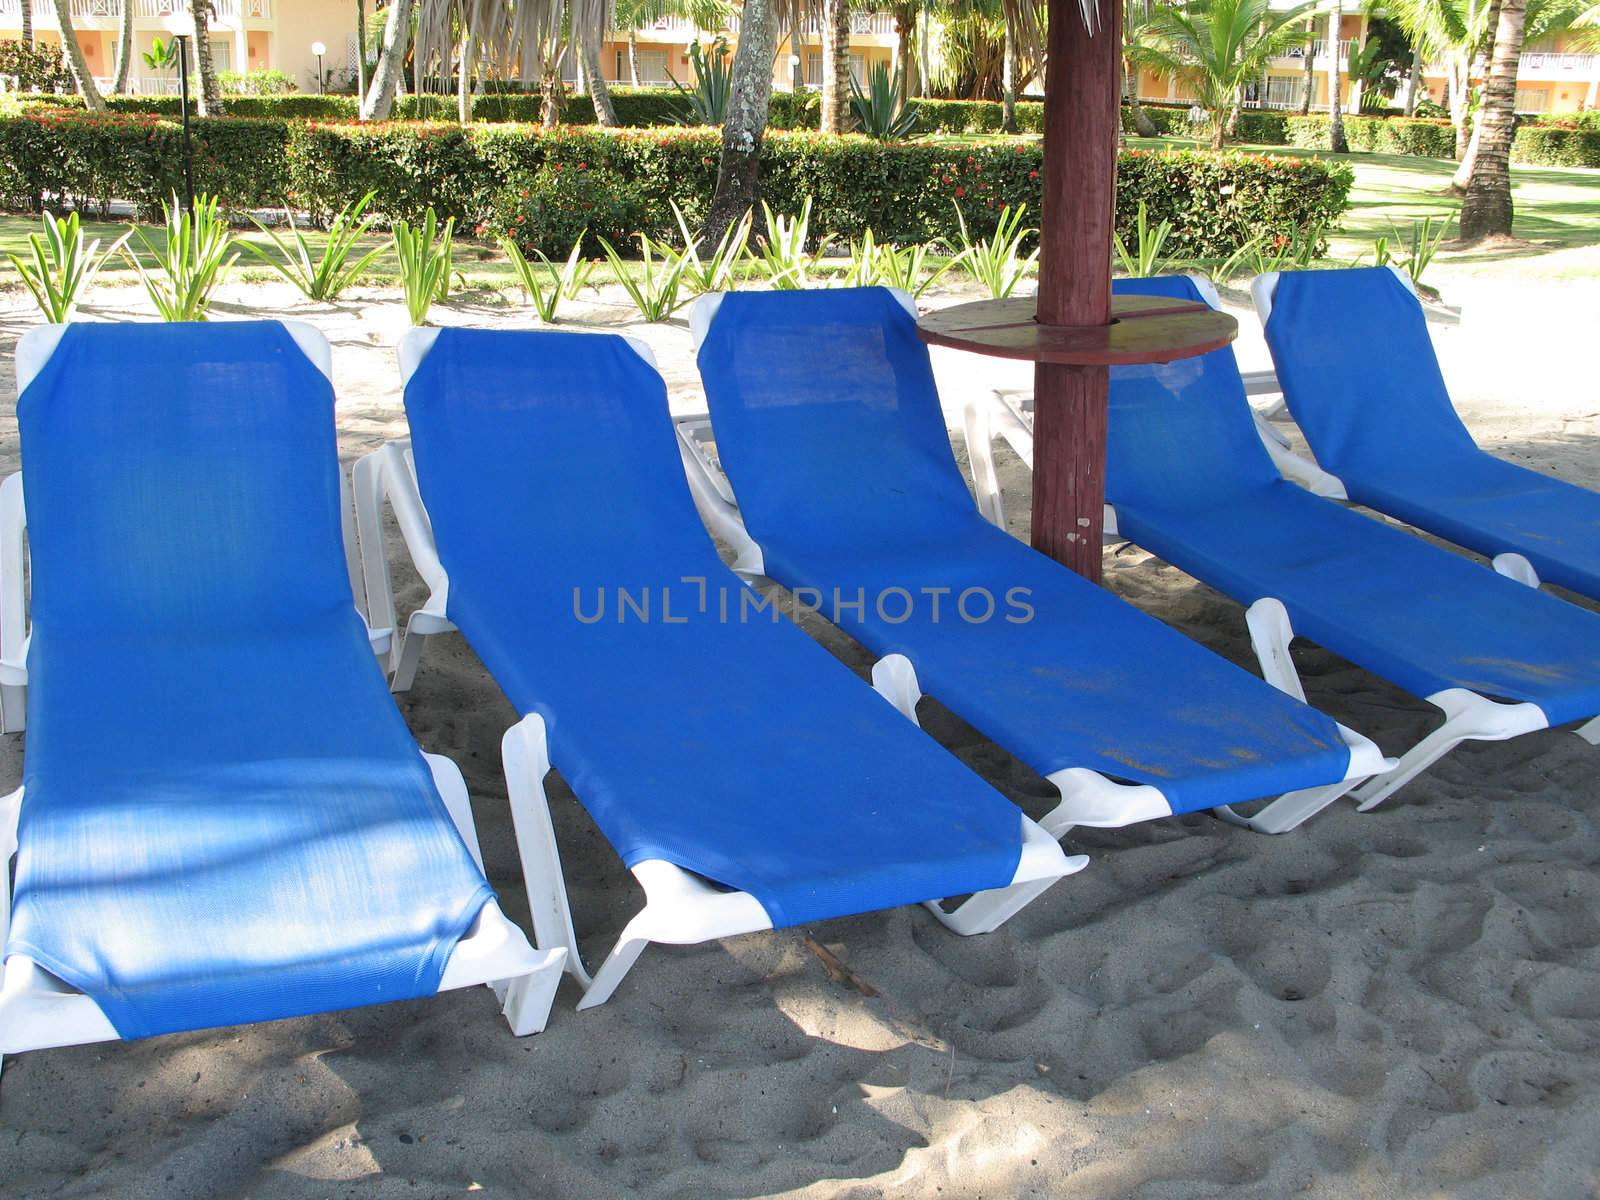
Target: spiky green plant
[1145,259]
[545,284]
[324,276]
[713,85]
[781,251]
[193,259]
[713,272]
[882,111]
[656,286]
[62,267]
[424,254]
[998,262]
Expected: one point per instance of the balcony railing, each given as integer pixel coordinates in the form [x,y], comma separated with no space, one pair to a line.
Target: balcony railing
[862,24]
[146,10]
[1560,64]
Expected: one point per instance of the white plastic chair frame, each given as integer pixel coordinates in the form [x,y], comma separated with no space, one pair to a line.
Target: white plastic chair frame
[1510,564]
[39,1011]
[681,908]
[1468,715]
[1087,796]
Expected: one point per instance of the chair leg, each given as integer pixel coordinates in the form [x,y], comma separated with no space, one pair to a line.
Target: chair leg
[526,760]
[1468,717]
[1288,811]
[617,964]
[407,657]
[980,458]
[895,679]
[377,589]
[525,1001]
[1591,732]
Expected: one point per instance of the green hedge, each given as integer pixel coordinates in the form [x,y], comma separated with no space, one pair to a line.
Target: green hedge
[1552,146]
[904,193]
[93,159]
[1416,136]
[1580,120]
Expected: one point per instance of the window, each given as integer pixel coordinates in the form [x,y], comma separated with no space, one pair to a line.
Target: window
[1533,100]
[1283,91]
[652,68]
[858,69]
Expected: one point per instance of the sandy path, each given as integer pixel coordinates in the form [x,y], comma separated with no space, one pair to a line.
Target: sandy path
[1399,1004]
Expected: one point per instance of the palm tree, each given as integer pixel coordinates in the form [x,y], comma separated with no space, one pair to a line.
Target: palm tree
[119,81]
[27,22]
[378,101]
[1219,46]
[1541,19]
[739,167]
[361,48]
[1310,91]
[1450,33]
[1134,20]
[1336,138]
[210,93]
[76,63]
[1486,211]
[836,116]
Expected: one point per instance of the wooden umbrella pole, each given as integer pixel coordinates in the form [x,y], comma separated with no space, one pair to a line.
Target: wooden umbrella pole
[1082,130]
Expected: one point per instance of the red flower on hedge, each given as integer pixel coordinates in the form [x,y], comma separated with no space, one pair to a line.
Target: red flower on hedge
[960,192]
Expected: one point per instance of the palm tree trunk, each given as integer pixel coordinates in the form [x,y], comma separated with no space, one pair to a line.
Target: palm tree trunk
[1463,175]
[835,66]
[379,100]
[1336,138]
[1008,68]
[1311,67]
[1460,97]
[464,68]
[797,46]
[633,57]
[1413,82]
[905,63]
[550,95]
[1487,209]
[119,78]
[925,48]
[76,63]
[27,22]
[605,112]
[361,48]
[210,94]
[739,167]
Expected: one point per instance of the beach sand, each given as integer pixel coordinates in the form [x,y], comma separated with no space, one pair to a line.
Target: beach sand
[1398,1004]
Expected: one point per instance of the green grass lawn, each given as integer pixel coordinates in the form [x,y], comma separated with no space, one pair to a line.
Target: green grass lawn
[1557,208]
[1557,211]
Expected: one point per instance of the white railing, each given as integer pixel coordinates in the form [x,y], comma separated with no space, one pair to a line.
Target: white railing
[1319,49]
[1564,64]
[862,24]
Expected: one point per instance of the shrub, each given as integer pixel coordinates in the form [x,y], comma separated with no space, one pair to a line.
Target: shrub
[1424,138]
[1168,121]
[34,67]
[255,83]
[91,159]
[1263,128]
[1553,146]
[554,207]
[903,193]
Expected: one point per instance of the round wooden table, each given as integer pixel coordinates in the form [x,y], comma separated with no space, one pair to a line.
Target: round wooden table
[1144,329]
[1070,388]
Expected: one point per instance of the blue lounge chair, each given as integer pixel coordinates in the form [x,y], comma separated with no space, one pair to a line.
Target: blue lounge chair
[745,777]
[1189,480]
[223,818]
[828,426]
[1361,379]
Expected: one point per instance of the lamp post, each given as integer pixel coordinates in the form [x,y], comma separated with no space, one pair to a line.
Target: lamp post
[182,40]
[319,50]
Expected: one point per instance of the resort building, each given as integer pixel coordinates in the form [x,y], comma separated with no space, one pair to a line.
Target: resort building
[246,35]
[257,35]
